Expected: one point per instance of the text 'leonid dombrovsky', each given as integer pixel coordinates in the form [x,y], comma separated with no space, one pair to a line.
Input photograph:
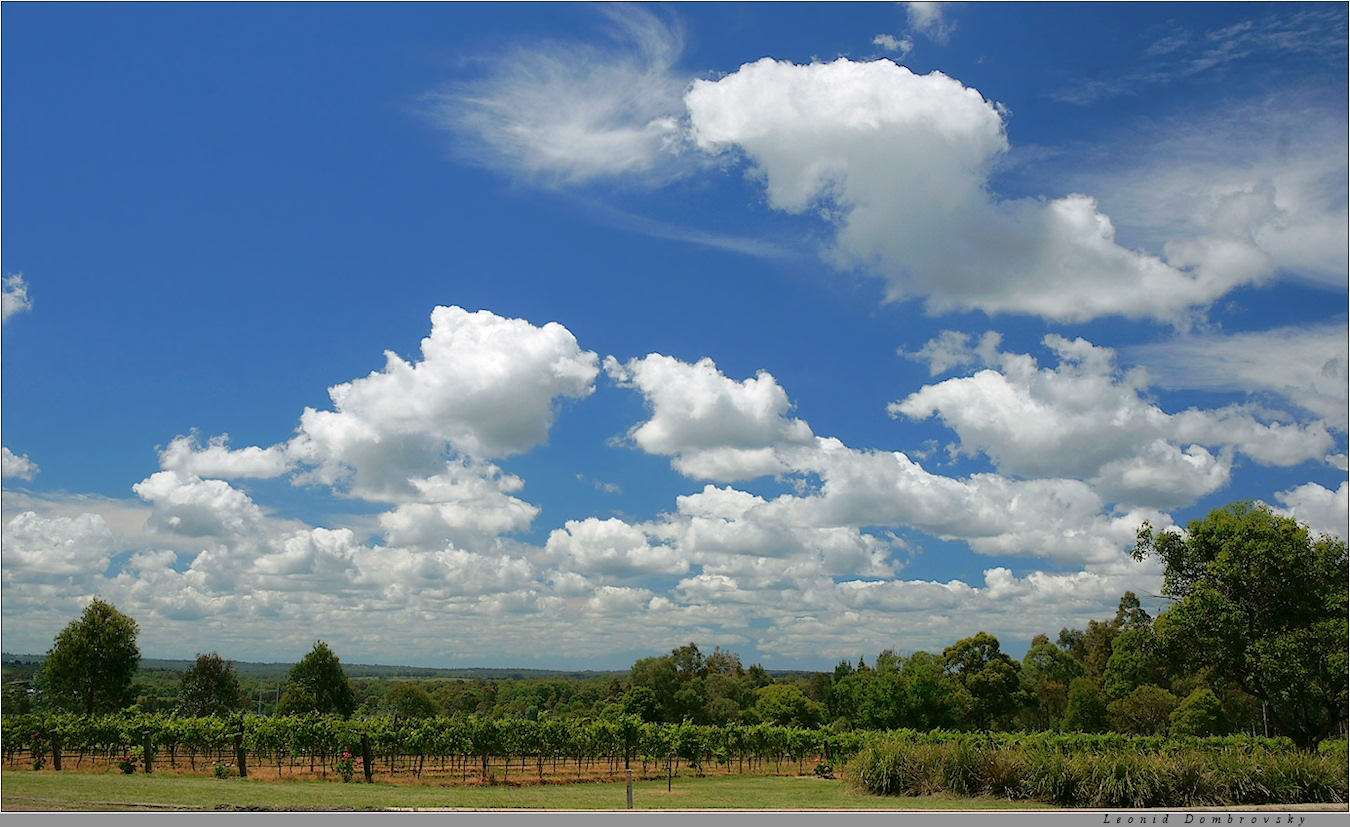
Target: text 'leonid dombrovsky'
[1193,818]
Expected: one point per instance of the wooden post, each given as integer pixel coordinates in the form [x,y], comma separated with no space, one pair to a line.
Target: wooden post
[367,757]
[148,751]
[630,789]
[239,754]
[56,750]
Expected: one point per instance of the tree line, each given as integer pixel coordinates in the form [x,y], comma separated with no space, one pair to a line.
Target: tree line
[1254,641]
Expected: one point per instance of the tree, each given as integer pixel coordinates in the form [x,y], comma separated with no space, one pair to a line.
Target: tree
[786,704]
[318,684]
[1086,711]
[990,677]
[1263,603]
[408,699]
[1145,711]
[1200,714]
[1047,671]
[90,667]
[1133,663]
[210,687]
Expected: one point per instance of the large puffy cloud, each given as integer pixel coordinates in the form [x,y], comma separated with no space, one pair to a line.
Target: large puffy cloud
[486,386]
[798,573]
[217,460]
[56,549]
[1321,509]
[713,426]
[16,466]
[611,547]
[468,504]
[900,164]
[1059,519]
[839,487]
[1086,420]
[193,507]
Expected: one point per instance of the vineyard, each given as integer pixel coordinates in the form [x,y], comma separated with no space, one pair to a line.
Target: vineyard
[1071,769]
[463,748]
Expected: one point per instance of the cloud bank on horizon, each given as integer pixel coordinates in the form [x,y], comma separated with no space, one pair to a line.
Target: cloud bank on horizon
[1073,376]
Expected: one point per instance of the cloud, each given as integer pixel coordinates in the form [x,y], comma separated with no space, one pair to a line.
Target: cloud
[1316,33]
[899,164]
[952,349]
[1262,177]
[891,43]
[717,428]
[930,20]
[714,427]
[14,466]
[56,550]
[190,506]
[14,298]
[216,460]
[1086,420]
[798,573]
[1305,365]
[468,505]
[485,387]
[566,113]
[1322,510]
[610,547]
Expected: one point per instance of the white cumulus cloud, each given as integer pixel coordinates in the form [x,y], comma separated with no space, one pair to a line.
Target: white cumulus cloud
[485,387]
[1319,508]
[899,163]
[13,465]
[13,297]
[1084,419]
[714,427]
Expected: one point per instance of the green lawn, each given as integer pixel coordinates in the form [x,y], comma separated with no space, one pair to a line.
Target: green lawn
[26,790]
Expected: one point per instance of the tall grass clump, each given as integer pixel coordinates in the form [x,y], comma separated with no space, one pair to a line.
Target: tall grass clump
[1176,776]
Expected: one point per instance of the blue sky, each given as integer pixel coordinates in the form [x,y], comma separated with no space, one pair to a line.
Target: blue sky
[557,335]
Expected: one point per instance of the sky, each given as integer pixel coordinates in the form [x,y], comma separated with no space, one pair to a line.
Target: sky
[560,335]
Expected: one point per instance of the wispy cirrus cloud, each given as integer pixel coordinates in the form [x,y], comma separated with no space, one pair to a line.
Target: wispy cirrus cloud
[1312,32]
[1308,366]
[568,112]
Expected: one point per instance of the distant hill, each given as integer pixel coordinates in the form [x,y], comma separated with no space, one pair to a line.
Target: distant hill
[269,671]
[23,665]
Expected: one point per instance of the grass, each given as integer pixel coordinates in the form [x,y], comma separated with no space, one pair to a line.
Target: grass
[26,790]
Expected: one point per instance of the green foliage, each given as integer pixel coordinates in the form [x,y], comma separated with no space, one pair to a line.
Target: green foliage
[1086,710]
[318,684]
[408,699]
[210,687]
[1131,773]
[90,667]
[787,705]
[1200,714]
[1264,604]
[1145,711]
[990,679]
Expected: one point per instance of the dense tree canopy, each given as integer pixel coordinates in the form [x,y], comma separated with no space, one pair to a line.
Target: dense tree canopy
[1264,605]
[408,699]
[210,687]
[90,667]
[318,684]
